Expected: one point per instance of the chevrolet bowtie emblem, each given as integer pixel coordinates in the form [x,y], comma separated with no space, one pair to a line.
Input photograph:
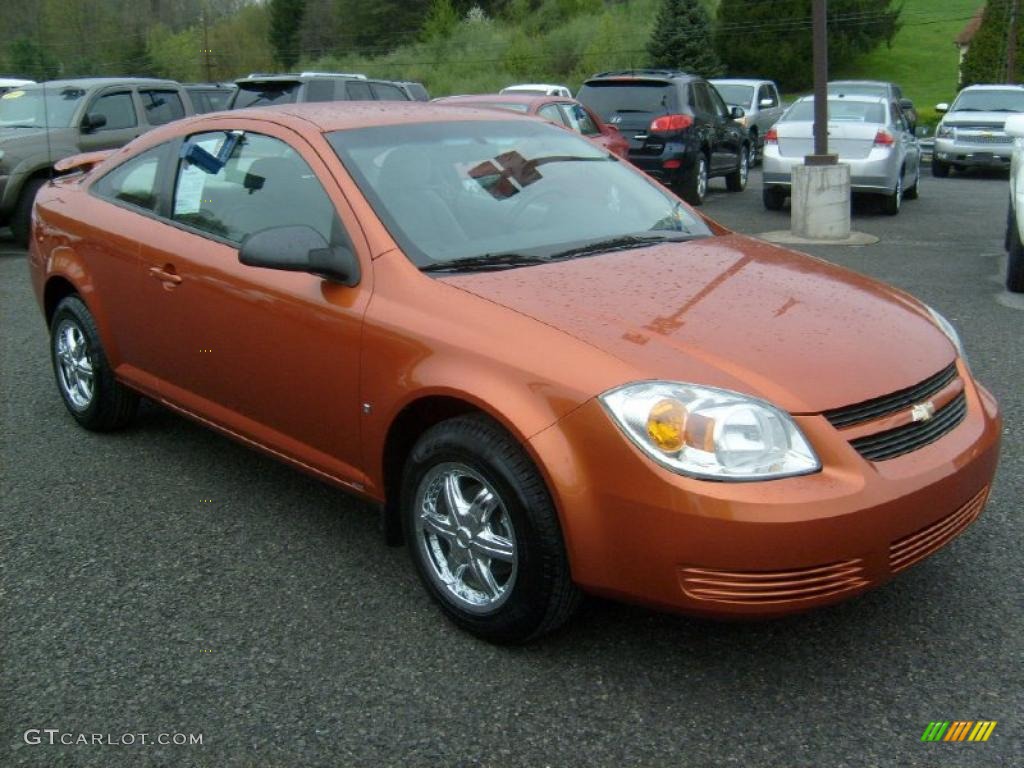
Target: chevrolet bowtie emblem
[922,411]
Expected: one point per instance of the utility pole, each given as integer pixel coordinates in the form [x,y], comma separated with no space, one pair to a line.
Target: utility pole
[820,42]
[206,46]
[1011,44]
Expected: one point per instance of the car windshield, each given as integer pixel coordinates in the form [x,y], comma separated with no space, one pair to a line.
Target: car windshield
[735,95]
[858,89]
[990,101]
[26,107]
[262,94]
[505,193]
[839,111]
[614,97]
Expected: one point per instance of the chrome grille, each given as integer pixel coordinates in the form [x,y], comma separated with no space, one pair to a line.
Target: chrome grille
[766,587]
[982,139]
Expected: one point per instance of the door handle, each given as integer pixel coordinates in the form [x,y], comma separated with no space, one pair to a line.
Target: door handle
[165,274]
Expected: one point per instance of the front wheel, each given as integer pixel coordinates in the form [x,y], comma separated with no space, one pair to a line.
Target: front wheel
[892,203]
[1015,259]
[737,180]
[483,532]
[940,170]
[21,218]
[774,198]
[695,185]
[85,379]
[914,192]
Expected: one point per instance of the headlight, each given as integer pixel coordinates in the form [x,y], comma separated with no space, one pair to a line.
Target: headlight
[947,328]
[944,132]
[708,433]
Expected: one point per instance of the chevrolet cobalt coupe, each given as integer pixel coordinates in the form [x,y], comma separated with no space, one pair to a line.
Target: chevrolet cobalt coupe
[550,375]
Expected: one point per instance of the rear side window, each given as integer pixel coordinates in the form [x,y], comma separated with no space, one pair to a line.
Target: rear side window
[358,91]
[702,103]
[388,92]
[135,181]
[320,90]
[266,93]
[161,106]
[118,108]
[580,120]
[614,97]
[768,92]
[263,184]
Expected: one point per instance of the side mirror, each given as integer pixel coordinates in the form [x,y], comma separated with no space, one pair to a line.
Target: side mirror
[299,249]
[737,112]
[91,123]
[610,130]
[906,104]
[1015,126]
[942,107]
[766,103]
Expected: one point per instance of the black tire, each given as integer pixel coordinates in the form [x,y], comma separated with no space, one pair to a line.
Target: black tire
[774,198]
[891,204]
[737,180]
[540,593]
[915,191]
[940,170]
[1015,257]
[694,189]
[21,217]
[111,405]
[755,148]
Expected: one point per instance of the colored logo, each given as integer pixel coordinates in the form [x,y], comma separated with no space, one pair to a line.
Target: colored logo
[959,730]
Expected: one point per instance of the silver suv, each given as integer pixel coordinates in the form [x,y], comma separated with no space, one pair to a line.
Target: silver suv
[972,132]
[760,102]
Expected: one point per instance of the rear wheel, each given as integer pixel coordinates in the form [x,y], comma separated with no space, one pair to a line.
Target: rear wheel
[737,180]
[695,185]
[21,218]
[1015,259]
[892,203]
[483,532]
[940,170]
[85,379]
[774,198]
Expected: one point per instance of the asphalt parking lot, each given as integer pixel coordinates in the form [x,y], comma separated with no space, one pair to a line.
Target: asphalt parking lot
[166,580]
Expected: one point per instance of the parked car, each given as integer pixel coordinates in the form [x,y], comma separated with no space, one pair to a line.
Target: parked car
[268,90]
[560,110]
[888,91]
[1014,127]
[679,129]
[760,102]
[415,91]
[547,372]
[40,124]
[868,133]
[9,83]
[539,89]
[210,97]
[971,134]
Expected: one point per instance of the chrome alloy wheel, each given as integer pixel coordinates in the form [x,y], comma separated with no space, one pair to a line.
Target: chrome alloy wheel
[744,167]
[702,177]
[74,365]
[466,538]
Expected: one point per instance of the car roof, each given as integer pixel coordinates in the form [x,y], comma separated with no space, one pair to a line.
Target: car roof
[861,82]
[852,97]
[95,82]
[330,116]
[994,87]
[529,99]
[739,81]
[643,74]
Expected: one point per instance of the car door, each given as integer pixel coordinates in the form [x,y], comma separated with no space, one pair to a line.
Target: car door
[769,108]
[909,145]
[270,355]
[116,106]
[161,105]
[728,134]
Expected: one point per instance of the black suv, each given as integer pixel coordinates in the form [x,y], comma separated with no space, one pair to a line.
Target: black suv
[266,90]
[679,129]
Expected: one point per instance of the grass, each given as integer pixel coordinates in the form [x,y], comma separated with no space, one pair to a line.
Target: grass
[922,58]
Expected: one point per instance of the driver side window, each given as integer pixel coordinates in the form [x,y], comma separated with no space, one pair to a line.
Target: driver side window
[117,108]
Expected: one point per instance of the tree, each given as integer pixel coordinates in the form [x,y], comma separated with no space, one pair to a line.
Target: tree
[985,61]
[285,22]
[761,39]
[682,38]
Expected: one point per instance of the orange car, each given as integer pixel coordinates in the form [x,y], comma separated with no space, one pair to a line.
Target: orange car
[551,375]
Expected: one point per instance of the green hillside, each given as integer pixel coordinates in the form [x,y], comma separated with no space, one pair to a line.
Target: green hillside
[922,58]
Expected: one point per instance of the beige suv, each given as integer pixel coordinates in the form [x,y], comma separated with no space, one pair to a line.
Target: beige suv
[43,123]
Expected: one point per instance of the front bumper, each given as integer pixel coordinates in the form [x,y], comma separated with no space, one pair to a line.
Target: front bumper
[965,153]
[876,173]
[638,532]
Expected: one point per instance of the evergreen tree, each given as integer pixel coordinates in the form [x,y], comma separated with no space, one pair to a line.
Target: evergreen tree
[985,61]
[773,39]
[682,39]
[285,23]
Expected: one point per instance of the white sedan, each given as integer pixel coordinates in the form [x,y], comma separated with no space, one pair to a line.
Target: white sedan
[1014,220]
[868,133]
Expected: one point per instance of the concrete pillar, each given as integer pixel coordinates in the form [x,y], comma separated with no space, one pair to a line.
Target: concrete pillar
[820,203]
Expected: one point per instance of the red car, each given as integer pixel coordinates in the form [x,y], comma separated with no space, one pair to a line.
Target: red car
[558,109]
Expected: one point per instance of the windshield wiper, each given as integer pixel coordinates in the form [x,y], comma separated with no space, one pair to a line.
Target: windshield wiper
[485,262]
[621,244]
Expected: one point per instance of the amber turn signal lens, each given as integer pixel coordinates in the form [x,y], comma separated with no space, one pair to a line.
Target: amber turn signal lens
[666,425]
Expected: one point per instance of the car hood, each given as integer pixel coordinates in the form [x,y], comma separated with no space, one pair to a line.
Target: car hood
[995,120]
[735,313]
